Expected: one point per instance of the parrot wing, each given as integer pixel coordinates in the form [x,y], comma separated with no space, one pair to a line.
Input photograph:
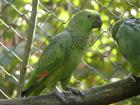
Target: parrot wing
[127,37]
[52,58]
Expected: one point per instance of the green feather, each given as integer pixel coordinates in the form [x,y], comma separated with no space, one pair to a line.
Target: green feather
[127,35]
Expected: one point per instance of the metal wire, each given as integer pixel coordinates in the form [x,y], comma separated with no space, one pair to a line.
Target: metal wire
[12,27]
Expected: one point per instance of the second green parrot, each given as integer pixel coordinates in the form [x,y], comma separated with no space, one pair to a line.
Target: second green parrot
[63,54]
[126,32]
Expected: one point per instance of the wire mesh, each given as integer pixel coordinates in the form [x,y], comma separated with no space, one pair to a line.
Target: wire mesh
[99,53]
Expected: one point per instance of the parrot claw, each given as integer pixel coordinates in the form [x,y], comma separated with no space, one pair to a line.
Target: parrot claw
[63,98]
[76,91]
[132,77]
[59,93]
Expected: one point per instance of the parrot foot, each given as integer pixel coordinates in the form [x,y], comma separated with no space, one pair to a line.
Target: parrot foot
[76,91]
[132,77]
[63,98]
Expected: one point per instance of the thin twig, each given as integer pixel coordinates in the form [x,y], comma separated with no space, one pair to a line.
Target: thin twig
[24,66]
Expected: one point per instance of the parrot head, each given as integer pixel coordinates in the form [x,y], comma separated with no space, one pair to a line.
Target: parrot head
[86,20]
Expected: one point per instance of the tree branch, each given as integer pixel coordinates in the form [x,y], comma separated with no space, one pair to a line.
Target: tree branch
[32,28]
[101,95]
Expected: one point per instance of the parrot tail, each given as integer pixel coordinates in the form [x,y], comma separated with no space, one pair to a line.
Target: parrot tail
[38,85]
[27,92]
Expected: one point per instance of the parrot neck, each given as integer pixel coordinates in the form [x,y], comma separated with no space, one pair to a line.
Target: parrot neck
[79,38]
[78,31]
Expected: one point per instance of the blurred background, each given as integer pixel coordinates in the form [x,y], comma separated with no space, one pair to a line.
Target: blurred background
[102,62]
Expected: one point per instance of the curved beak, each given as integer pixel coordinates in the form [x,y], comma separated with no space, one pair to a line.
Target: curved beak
[97,23]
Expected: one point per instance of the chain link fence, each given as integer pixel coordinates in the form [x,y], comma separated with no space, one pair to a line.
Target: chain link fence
[102,63]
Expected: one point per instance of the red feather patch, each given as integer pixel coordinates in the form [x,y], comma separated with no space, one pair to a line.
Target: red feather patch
[43,75]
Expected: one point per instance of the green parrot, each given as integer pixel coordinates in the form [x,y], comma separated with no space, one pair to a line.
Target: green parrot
[60,58]
[126,32]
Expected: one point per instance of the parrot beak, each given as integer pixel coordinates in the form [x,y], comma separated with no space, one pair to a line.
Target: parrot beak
[98,23]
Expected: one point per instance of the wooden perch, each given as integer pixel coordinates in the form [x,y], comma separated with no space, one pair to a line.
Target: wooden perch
[101,95]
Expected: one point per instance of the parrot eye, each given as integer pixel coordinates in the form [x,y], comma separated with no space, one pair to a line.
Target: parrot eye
[89,16]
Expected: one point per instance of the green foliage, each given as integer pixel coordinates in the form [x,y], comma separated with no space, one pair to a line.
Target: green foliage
[102,53]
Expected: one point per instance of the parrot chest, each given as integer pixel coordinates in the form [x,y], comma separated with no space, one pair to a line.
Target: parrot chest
[71,62]
[73,57]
